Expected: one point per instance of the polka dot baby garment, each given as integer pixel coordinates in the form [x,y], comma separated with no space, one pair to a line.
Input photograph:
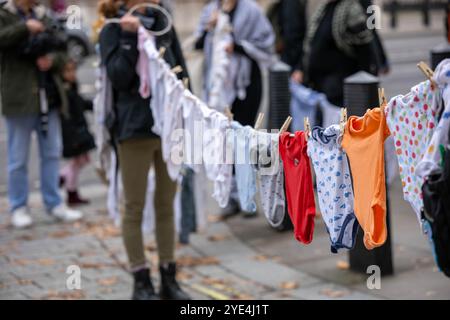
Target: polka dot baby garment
[412,119]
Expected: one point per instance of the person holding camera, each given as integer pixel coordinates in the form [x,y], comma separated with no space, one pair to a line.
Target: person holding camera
[31,52]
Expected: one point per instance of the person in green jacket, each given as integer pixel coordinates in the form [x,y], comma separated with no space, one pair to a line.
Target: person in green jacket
[30,98]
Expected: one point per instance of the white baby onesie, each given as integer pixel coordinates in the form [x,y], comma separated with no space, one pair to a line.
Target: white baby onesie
[172,121]
[334,186]
[271,178]
[218,156]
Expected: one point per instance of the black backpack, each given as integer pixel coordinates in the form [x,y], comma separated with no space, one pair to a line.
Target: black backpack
[436,199]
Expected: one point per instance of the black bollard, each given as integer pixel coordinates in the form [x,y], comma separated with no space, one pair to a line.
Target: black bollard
[360,94]
[279,94]
[439,53]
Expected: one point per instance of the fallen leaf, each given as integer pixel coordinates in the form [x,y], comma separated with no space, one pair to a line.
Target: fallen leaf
[285,294]
[243,296]
[24,282]
[60,234]
[182,275]
[187,261]
[26,237]
[91,265]
[72,295]
[214,218]
[260,257]
[45,262]
[343,265]
[107,281]
[213,281]
[21,262]
[289,285]
[333,293]
[218,237]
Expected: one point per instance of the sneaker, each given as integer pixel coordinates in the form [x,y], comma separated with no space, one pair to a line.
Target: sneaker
[21,218]
[63,213]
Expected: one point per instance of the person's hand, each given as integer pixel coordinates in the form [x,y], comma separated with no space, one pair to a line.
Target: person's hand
[213,20]
[35,26]
[297,76]
[130,23]
[44,63]
[230,48]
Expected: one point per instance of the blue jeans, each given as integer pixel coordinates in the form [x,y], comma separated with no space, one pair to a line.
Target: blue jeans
[19,129]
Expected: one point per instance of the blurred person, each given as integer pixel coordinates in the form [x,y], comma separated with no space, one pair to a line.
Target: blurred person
[251,26]
[31,94]
[138,147]
[288,18]
[77,140]
[337,45]
[253,41]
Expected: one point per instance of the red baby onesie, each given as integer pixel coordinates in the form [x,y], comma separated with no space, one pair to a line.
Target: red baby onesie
[299,187]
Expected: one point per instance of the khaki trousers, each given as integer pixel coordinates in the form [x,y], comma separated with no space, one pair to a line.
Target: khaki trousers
[135,158]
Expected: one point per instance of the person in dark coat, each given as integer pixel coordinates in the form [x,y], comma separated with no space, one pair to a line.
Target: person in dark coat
[77,140]
[288,18]
[138,147]
[337,45]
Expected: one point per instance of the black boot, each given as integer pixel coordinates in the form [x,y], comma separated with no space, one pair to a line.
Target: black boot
[170,290]
[143,286]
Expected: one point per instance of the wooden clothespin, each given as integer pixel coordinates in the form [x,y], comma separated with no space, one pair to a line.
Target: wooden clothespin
[286,124]
[177,69]
[382,98]
[162,51]
[229,114]
[186,83]
[306,127]
[259,121]
[343,121]
[426,71]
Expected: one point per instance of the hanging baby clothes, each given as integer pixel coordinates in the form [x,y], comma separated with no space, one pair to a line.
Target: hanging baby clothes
[143,63]
[432,159]
[412,119]
[306,102]
[193,113]
[217,156]
[299,187]
[271,177]
[172,121]
[363,141]
[158,69]
[334,186]
[244,172]
[220,81]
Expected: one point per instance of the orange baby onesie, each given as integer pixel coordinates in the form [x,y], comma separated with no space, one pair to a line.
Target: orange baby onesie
[363,141]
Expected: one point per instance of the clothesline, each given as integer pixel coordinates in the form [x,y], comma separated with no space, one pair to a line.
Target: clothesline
[347,158]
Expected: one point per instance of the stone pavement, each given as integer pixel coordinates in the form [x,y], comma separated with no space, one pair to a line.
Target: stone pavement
[216,265]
